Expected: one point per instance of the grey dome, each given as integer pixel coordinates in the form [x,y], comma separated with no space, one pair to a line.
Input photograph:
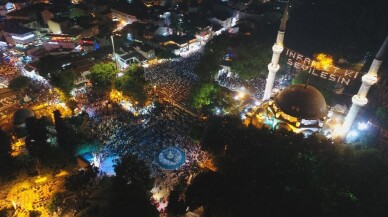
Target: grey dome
[302,101]
[21,115]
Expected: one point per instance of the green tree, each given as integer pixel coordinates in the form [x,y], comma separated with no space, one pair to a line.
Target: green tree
[64,80]
[133,84]
[102,75]
[201,95]
[19,83]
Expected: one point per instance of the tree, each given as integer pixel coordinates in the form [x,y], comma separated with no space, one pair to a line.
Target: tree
[19,83]
[133,84]
[165,54]
[132,171]
[48,65]
[66,137]
[102,75]
[129,193]
[64,80]
[176,205]
[5,154]
[274,173]
[79,181]
[37,137]
[79,184]
[220,132]
[201,95]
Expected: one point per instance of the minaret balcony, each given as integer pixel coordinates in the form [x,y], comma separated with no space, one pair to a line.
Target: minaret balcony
[359,100]
[273,68]
[369,79]
[277,49]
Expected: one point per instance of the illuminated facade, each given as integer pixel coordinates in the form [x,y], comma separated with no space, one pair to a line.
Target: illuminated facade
[19,36]
[277,49]
[299,108]
[360,99]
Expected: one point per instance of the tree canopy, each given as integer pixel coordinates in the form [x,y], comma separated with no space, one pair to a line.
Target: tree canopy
[133,84]
[5,154]
[201,95]
[272,173]
[102,75]
[64,80]
[133,171]
[48,65]
[206,97]
[19,83]
[37,138]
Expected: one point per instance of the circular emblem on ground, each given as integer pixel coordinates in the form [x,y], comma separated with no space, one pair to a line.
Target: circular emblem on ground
[170,158]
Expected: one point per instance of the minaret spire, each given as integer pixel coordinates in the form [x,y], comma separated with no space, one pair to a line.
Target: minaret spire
[277,49]
[284,20]
[360,99]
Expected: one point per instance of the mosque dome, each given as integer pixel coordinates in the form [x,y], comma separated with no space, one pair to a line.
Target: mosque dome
[21,115]
[302,101]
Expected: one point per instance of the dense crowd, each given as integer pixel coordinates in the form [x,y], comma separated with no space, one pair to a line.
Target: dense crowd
[173,78]
[8,72]
[121,133]
[255,86]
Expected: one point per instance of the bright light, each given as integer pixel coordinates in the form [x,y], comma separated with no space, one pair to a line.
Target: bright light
[243,116]
[218,111]
[353,134]
[23,38]
[362,126]
[323,61]
[236,97]
[257,103]
[120,74]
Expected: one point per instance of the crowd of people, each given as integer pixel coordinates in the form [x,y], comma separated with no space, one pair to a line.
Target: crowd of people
[121,133]
[32,196]
[173,78]
[255,86]
[7,72]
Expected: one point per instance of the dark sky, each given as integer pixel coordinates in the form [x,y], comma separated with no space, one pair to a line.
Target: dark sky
[337,26]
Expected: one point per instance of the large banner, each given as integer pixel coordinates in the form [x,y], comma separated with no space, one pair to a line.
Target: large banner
[319,69]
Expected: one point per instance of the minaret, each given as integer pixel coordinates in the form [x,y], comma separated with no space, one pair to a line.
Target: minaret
[277,49]
[360,99]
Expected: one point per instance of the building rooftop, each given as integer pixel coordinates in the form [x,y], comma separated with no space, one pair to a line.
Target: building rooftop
[302,101]
[17,29]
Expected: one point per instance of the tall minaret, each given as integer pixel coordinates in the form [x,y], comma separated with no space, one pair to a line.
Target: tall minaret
[360,99]
[277,49]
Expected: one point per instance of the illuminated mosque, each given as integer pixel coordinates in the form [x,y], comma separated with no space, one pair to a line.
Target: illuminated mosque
[299,108]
